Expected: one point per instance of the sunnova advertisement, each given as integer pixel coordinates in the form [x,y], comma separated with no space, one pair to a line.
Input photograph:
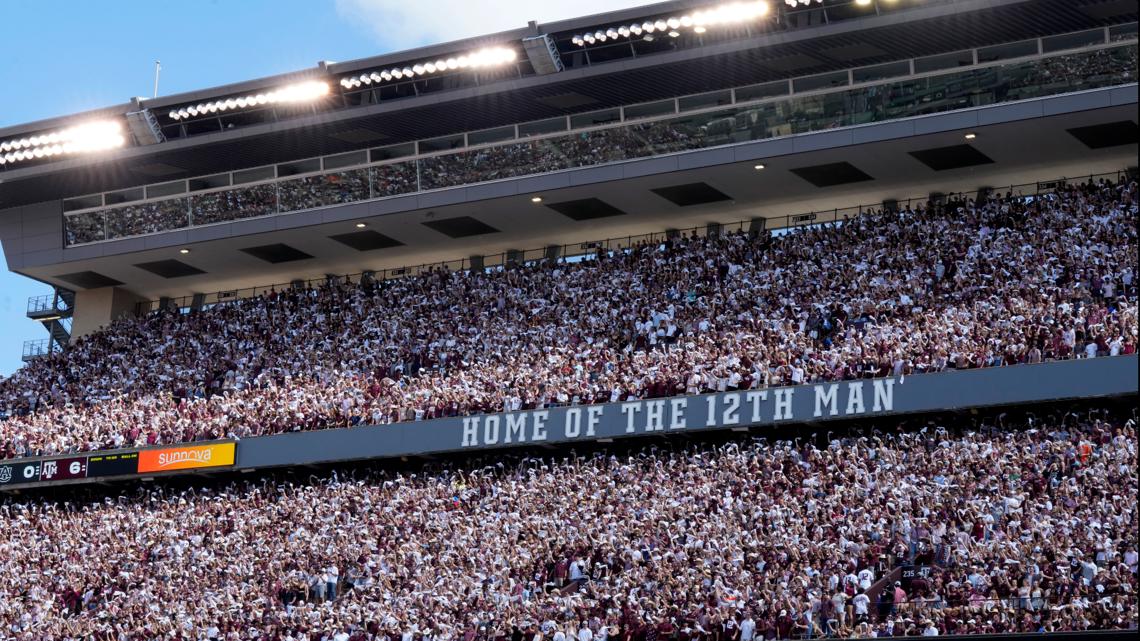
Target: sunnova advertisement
[186,458]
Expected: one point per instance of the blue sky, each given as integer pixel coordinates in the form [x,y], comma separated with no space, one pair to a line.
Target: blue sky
[63,57]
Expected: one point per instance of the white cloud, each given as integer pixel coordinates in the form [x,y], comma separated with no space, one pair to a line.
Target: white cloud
[403,24]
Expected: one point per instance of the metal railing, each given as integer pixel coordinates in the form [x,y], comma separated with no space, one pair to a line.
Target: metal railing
[39,347]
[587,250]
[789,112]
[937,608]
[42,303]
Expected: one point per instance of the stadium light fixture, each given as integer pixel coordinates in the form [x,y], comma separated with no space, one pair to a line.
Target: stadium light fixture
[862,3]
[698,21]
[536,199]
[289,94]
[758,167]
[183,251]
[361,225]
[971,136]
[89,137]
[489,57]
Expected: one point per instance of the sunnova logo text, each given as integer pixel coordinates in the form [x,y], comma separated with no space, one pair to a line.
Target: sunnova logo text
[166,459]
[186,458]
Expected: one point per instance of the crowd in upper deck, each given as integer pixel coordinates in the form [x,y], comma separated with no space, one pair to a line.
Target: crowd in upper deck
[957,286]
[896,98]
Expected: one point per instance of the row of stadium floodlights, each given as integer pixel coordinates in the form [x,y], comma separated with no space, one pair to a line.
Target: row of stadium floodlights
[108,134]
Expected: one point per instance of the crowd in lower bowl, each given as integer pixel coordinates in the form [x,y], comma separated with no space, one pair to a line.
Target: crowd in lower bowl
[1014,525]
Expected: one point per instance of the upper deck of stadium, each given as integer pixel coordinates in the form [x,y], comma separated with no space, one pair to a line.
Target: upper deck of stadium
[605,126]
[524,78]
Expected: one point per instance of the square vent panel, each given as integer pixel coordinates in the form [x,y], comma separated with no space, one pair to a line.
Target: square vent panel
[586,209]
[952,157]
[460,227]
[276,253]
[1110,134]
[692,194]
[89,280]
[170,268]
[832,174]
[366,240]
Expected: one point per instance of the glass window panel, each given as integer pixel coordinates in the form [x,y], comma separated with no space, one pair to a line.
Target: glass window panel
[166,189]
[147,218]
[944,61]
[444,143]
[83,202]
[595,118]
[350,159]
[86,227]
[123,196]
[1072,40]
[761,91]
[299,167]
[648,110]
[700,101]
[321,191]
[821,81]
[394,179]
[881,72]
[209,182]
[491,135]
[1007,51]
[540,127]
[1122,32]
[393,151]
[234,204]
[256,174]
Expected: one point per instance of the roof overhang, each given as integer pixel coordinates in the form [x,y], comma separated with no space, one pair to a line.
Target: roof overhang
[939,27]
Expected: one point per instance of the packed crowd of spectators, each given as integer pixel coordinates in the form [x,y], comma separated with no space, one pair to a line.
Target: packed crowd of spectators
[242,202]
[795,115]
[148,218]
[325,189]
[1005,281]
[799,114]
[1029,526]
[85,227]
[394,179]
[234,204]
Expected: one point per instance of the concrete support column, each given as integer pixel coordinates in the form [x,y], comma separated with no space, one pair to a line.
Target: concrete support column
[96,308]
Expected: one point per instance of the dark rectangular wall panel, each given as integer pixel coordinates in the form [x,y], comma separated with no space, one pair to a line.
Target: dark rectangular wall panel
[366,240]
[586,209]
[276,253]
[692,194]
[169,268]
[460,227]
[832,174]
[952,157]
